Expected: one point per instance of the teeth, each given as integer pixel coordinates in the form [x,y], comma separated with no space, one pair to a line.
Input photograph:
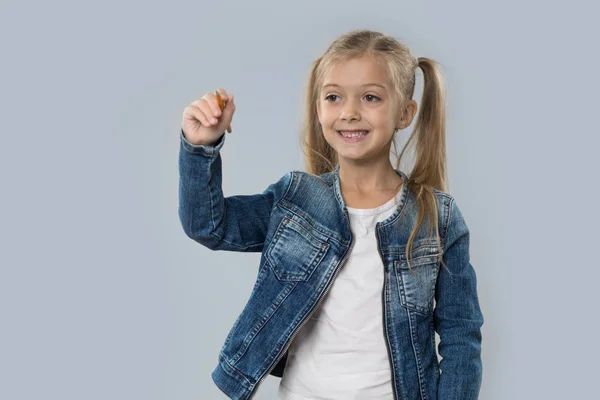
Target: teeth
[353,134]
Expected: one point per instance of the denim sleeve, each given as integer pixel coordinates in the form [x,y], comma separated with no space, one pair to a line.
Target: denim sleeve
[457,316]
[234,223]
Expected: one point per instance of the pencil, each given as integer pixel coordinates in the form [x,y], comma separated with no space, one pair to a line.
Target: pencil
[222,107]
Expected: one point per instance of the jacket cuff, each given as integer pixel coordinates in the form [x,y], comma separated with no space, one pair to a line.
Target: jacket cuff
[200,148]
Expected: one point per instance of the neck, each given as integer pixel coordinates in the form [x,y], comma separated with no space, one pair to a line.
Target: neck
[378,176]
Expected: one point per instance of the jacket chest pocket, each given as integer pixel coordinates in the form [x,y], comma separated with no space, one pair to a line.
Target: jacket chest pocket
[417,285]
[294,252]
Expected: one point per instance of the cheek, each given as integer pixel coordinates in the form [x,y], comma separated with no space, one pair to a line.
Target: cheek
[326,118]
[383,119]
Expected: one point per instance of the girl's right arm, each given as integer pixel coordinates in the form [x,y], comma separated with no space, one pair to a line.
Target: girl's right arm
[234,223]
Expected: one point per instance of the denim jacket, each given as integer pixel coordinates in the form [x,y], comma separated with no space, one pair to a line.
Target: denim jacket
[300,224]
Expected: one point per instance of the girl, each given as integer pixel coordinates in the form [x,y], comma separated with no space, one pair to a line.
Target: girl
[361,263]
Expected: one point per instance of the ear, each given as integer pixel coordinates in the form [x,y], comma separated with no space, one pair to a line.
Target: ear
[412,110]
[400,120]
[407,114]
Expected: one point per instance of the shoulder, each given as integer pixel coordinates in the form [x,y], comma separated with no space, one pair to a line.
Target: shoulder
[451,217]
[309,193]
[304,180]
[444,196]
[296,182]
[447,201]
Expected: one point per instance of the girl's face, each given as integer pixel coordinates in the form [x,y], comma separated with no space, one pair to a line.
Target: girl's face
[357,95]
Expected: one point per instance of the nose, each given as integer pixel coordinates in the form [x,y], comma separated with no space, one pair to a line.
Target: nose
[349,111]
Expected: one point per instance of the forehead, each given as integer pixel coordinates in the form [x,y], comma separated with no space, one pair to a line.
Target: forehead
[356,73]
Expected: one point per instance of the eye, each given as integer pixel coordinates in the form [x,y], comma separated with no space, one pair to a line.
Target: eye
[370,96]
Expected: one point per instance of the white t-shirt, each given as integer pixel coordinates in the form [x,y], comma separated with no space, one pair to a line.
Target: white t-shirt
[340,352]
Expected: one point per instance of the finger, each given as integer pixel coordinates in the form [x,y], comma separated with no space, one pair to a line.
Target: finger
[209,113]
[197,113]
[220,101]
[228,113]
[224,94]
[230,106]
[205,107]
[211,99]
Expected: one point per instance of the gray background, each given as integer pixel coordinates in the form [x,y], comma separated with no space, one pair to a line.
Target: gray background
[102,296]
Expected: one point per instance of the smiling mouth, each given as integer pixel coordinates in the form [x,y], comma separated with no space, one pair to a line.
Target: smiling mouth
[353,134]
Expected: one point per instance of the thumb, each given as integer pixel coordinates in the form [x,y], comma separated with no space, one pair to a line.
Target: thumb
[229,108]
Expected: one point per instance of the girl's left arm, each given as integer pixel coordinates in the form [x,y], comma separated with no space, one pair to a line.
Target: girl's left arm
[457,315]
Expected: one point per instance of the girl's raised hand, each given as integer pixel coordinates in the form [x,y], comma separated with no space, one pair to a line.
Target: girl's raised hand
[204,122]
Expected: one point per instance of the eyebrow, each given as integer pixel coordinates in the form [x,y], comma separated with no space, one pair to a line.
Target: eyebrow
[366,84]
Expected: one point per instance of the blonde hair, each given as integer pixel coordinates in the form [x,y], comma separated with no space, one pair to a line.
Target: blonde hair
[428,136]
